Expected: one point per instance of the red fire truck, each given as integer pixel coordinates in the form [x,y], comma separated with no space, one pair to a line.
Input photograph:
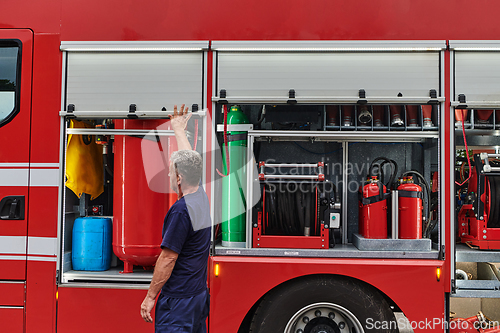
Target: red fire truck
[329,132]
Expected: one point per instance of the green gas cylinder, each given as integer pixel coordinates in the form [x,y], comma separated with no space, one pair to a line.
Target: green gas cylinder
[234,184]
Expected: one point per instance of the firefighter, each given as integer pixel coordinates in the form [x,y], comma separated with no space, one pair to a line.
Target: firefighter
[180,275]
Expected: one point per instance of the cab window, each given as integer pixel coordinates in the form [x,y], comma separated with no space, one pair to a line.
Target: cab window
[10,70]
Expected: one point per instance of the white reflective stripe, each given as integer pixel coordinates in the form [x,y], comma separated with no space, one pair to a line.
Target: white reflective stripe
[16,174]
[27,165]
[13,244]
[46,246]
[44,177]
[33,258]
[12,257]
[30,258]
[14,165]
[44,165]
[13,177]
[42,246]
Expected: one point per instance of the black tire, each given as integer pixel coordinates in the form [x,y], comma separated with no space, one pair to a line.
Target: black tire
[362,301]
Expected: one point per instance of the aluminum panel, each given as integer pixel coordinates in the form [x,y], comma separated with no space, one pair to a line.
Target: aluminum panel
[477,76]
[111,81]
[339,251]
[366,244]
[319,45]
[112,275]
[474,45]
[466,254]
[341,74]
[132,45]
[478,285]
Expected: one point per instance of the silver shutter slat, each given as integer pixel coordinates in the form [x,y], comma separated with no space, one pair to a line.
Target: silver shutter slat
[384,74]
[112,81]
[477,76]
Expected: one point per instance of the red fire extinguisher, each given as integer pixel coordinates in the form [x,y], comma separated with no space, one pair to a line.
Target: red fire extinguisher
[373,209]
[410,209]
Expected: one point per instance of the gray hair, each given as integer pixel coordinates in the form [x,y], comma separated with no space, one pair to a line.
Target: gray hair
[189,164]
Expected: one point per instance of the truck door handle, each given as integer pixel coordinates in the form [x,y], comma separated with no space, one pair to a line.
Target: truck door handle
[12,208]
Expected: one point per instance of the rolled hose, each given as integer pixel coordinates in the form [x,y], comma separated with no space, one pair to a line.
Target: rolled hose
[380,173]
[364,116]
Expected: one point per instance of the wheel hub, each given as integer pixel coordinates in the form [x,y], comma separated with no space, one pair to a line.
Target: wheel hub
[322,325]
[323,318]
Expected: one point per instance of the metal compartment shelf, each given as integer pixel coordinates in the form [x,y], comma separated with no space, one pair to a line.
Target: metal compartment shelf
[111,275]
[339,251]
[466,254]
[344,136]
[485,282]
[478,289]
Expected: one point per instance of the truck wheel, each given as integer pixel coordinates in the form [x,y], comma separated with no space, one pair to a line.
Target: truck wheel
[324,304]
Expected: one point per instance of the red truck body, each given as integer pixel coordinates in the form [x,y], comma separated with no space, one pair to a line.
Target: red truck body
[32,299]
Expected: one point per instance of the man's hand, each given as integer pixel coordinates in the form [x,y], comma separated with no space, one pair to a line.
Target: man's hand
[180,118]
[179,121]
[163,269]
[146,307]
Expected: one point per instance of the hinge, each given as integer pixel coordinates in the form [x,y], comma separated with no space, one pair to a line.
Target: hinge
[441,253]
[212,248]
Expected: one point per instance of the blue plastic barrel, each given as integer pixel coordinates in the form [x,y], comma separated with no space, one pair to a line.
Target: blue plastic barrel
[91,250]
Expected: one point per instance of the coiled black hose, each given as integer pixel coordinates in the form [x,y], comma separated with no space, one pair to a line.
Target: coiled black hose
[394,167]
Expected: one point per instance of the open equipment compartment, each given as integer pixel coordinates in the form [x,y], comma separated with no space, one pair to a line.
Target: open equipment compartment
[313,112]
[475,114]
[106,94]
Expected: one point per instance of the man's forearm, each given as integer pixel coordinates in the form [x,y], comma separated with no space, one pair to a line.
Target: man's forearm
[163,269]
[182,140]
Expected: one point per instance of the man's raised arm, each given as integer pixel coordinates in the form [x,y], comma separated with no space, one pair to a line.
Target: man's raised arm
[179,121]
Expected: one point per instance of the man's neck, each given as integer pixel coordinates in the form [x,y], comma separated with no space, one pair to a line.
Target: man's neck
[186,190]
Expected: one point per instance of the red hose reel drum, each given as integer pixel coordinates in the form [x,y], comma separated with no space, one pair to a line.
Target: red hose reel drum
[486,196]
[373,210]
[142,194]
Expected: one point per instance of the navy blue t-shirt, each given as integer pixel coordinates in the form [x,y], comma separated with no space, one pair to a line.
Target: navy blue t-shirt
[186,231]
